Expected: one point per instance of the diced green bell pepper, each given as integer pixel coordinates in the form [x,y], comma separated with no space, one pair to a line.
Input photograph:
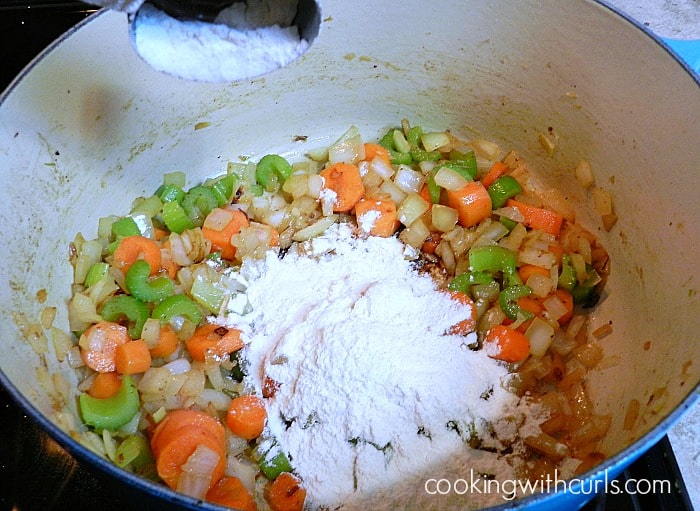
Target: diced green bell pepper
[508,300]
[502,189]
[493,258]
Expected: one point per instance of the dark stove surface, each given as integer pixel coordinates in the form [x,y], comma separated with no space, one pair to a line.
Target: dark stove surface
[37,474]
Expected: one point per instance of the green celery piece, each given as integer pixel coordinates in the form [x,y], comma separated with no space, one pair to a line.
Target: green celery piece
[177,305]
[112,412]
[170,193]
[175,218]
[95,273]
[198,203]
[129,307]
[271,459]
[134,450]
[145,289]
[225,188]
[125,226]
[207,295]
[271,171]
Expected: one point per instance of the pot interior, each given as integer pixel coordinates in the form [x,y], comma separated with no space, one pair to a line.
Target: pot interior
[89,118]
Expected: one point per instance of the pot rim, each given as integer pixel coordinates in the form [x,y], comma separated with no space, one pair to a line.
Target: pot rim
[612,464]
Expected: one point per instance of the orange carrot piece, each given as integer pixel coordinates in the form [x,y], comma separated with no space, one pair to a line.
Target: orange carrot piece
[472,202]
[345,181]
[568,301]
[538,218]
[378,216]
[504,343]
[168,429]
[374,150]
[527,270]
[468,325]
[497,170]
[133,248]
[174,454]
[246,416]
[160,234]
[105,385]
[213,340]
[167,343]
[229,491]
[425,195]
[221,238]
[431,243]
[286,493]
[132,357]
[102,341]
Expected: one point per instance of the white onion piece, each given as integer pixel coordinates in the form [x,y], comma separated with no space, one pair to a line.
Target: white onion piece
[584,174]
[540,334]
[448,179]
[444,218]
[408,180]
[381,167]
[178,366]
[394,192]
[411,209]
[555,307]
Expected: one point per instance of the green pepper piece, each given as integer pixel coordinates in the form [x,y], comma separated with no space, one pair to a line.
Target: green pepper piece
[433,189]
[508,300]
[413,137]
[95,273]
[502,189]
[567,277]
[466,163]
[142,287]
[398,158]
[198,203]
[387,141]
[466,280]
[224,188]
[271,459]
[271,171]
[421,155]
[125,226]
[112,412]
[177,305]
[510,224]
[171,193]
[175,218]
[129,307]
[493,258]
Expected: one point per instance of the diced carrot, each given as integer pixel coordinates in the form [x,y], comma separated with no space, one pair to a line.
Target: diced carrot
[221,238]
[214,341]
[132,357]
[558,251]
[497,170]
[345,181]
[467,325]
[174,454]
[160,234]
[425,195]
[286,493]
[229,491]
[538,218]
[472,202]
[378,216]
[504,343]
[167,343]
[531,304]
[527,270]
[99,345]
[431,243]
[568,301]
[105,385]
[246,416]
[133,248]
[168,428]
[374,150]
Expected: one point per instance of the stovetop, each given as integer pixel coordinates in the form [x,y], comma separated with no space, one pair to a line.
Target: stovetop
[37,474]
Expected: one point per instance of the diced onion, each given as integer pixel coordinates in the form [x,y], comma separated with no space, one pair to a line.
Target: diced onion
[315,229]
[554,306]
[444,218]
[197,472]
[540,334]
[408,180]
[486,148]
[415,234]
[434,140]
[584,174]
[411,209]
[151,332]
[602,201]
[449,179]
[381,167]
[541,286]
[392,191]
[178,366]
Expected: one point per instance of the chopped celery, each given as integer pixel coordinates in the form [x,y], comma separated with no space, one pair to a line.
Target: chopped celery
[147,290]
[175,218]
[207,295]
[95,273]
[112,412]
[129,307]
[125,226]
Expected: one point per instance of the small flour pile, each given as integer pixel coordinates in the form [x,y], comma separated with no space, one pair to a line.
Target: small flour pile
[248,40]
[374,397]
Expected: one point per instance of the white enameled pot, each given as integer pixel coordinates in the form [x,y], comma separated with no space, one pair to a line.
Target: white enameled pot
[88,126]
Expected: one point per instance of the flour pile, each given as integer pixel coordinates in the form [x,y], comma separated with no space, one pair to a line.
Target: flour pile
[374,397]
[247,40]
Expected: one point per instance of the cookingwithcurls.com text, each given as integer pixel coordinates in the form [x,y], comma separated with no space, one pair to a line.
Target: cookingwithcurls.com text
[479,484]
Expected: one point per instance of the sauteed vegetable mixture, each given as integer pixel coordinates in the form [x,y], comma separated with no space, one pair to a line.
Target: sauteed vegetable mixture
[164,388]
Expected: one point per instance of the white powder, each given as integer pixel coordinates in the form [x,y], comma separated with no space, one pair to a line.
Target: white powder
[374,397]
[245,44]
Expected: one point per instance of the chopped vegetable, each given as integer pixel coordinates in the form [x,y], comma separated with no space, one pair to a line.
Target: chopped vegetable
[344,180]
[112,412]
[210,340]
[504,343]
[144,289]
[246,416]
[99,345]
[472,202]
[286,493]
[132,248]
[230,492]
[538,218]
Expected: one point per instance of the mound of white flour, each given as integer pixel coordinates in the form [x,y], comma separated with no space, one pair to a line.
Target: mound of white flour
[242,44]
[374,398]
